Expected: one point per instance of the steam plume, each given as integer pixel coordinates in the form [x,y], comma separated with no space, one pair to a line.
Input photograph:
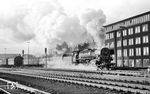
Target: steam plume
[47,24]
[93,21]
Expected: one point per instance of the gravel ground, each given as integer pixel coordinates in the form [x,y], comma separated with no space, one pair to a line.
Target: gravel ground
[56,87]
[4,86]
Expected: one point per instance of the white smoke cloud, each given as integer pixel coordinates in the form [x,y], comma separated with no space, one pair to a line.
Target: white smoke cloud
[47,24]
[93,21]
[58,28]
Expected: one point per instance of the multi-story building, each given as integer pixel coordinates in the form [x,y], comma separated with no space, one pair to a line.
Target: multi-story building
[130,39]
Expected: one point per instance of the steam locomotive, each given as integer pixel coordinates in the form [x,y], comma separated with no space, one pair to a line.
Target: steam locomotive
[102,60]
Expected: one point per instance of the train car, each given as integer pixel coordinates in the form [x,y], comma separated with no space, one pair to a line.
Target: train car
[18,61]
[15,61]
[3,62]
[10,61]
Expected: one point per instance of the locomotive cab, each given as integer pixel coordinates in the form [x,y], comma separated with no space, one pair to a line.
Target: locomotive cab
[84,56]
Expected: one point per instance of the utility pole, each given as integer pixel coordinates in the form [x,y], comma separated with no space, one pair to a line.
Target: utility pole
[5,55]
[28,51]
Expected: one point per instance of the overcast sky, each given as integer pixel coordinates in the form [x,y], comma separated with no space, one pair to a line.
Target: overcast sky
[20,19]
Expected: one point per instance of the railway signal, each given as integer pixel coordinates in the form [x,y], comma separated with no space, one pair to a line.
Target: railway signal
[22,52]
[46,57]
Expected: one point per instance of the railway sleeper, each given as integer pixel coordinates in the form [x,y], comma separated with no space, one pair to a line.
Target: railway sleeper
[103,83]
[104,86]
[122,85]
[126,81]
[115,84]
[110,87]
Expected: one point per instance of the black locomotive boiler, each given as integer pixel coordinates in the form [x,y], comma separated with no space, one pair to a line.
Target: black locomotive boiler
[84,56]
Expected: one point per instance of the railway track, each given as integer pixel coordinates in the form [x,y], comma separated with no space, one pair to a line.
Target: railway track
[54,86]
[10,87]
[118,81]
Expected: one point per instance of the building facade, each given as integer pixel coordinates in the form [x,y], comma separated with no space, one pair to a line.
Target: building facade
[130,38]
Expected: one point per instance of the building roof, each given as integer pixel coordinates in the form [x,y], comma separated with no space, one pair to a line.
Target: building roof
[127,19]
[7,55]
[30,56]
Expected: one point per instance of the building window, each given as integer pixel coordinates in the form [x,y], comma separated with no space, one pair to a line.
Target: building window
[119,53]
[138,51]
[131,52]
[145,39]
[138,63]
[124,32]
[138,40]
[111,35]
[145,27]
[124,42]
[107,45]
[119,43]
[146,62]
[131,62]
[119,63]
[126,62]
[125,52]
[112,45]
[130,31]
[118,34]
[145,50]
[137,29]
[107,36]
[147,17]
[131,42]
[141,19]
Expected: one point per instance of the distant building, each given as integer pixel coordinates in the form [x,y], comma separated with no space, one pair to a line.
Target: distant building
[130,39]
